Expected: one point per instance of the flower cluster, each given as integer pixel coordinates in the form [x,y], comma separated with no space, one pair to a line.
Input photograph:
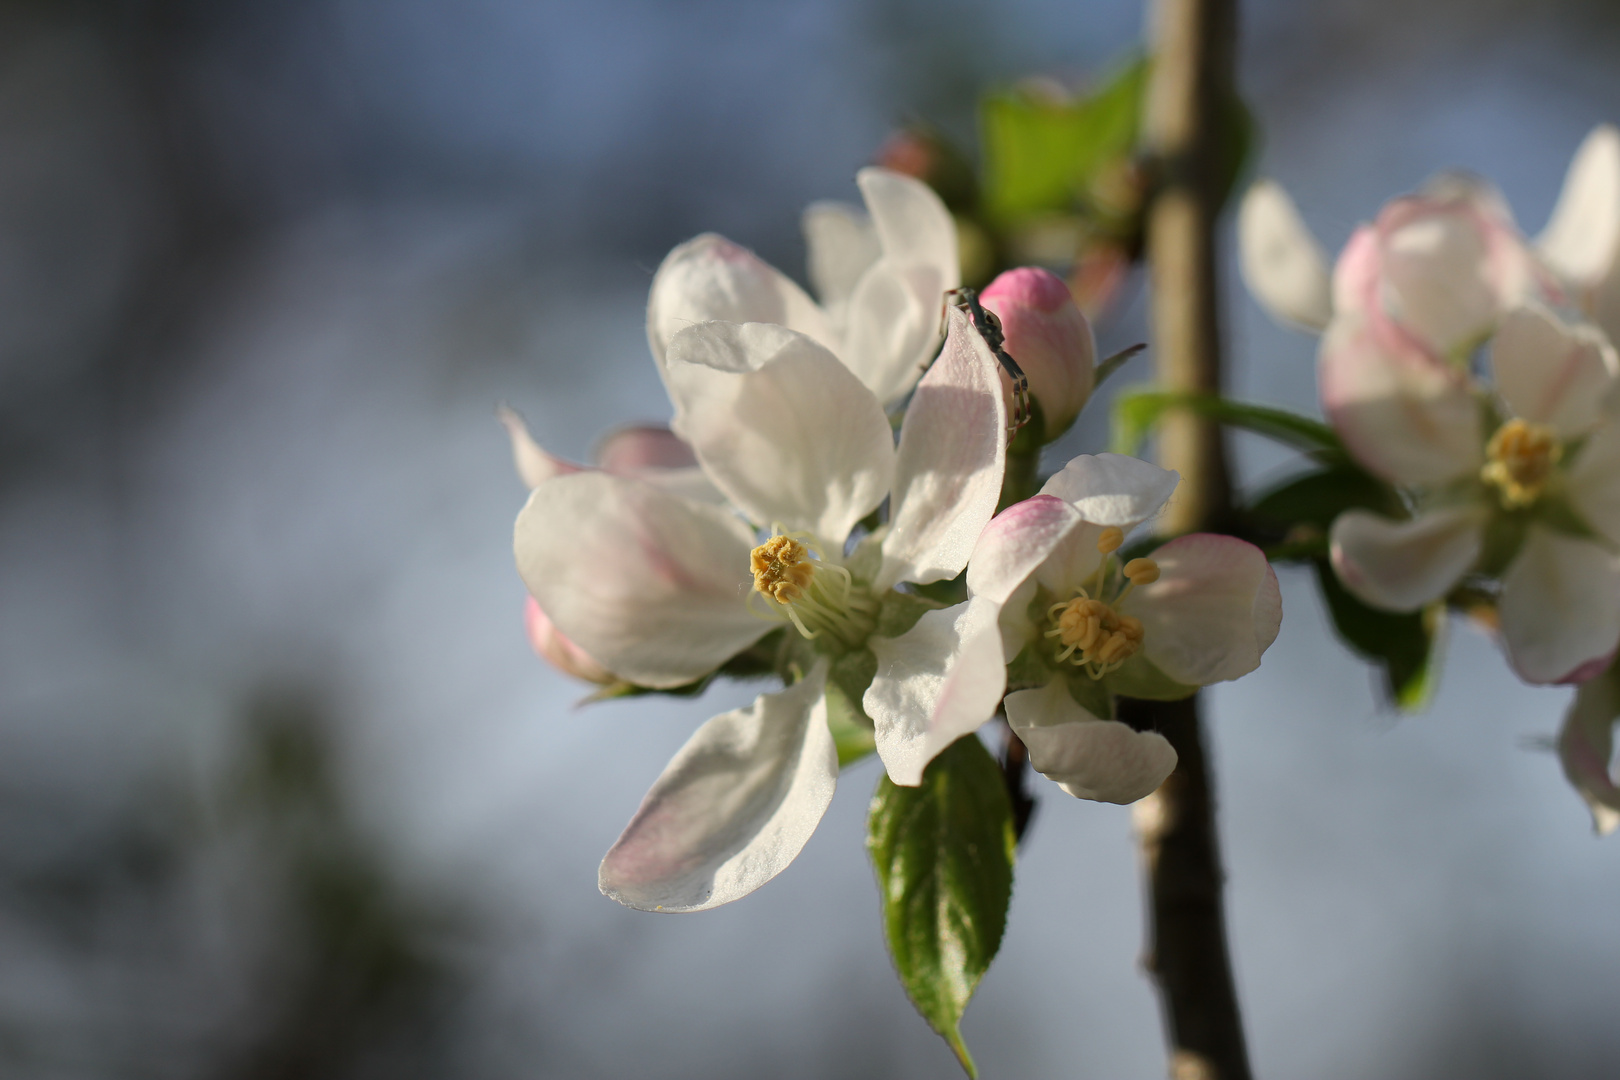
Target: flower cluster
[1472,369]
[781,520]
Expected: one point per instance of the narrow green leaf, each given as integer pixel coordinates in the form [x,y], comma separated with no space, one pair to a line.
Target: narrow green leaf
[1407,647]
[1137,412]
[1108,367]
[943,852]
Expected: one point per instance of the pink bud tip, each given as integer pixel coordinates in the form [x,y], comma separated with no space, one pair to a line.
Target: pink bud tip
[1049,338]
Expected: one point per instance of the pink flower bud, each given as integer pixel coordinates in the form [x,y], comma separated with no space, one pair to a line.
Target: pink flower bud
[550,645]
[630,449]
[1049,338]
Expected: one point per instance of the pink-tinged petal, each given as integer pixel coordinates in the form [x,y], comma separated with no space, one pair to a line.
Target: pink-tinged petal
[935,683]
[534,466]
[1552,372]
[650,585]
[948,471]
[1113,489]
[1050,340]
[708,278]
[630,449]
[1593,481]
[1356,275]
[1091,758]
[913,226]
[1560,608]
[1582,238]
[734,806]
[1451,262]
[1403,416]
[1213,611]
[552,646]
[1586,749]
[841,243]
[780,426]
[1403,565]
[1283,265]
[1016,542]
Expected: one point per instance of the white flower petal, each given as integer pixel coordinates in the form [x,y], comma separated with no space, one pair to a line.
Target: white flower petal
[1102,760]
[1113,489]
[1402,565]
[948,471]
[648,584]
[534,466]
[913,226]
[709,278]
[1586,749]
[733,807]
[935,683]
[1594,481]
[891,326]
[1405,416]
[1551,372]
[781,426]
[1283,265]
[643,446]
[1016,542]
[1213,611]
[842,243]
[1560,608]
[1582,237]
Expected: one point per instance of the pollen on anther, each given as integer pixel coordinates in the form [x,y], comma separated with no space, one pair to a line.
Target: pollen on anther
[1110,540]
[1142,571]
[782,569]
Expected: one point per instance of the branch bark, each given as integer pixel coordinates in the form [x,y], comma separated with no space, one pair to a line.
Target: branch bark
[1191,83]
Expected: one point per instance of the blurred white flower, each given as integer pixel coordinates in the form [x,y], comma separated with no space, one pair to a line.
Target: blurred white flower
[1533,460]
[655,587]
[1586,749]
[1048,594]
[882,277]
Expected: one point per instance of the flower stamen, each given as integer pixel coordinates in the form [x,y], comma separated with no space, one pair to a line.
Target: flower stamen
[1521,459]
[817,596]
[1090,631]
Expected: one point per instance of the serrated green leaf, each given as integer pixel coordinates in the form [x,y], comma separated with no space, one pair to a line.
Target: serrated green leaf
[847,680]
[943,852]
[1137,412]
[1042,155]
[1407,647]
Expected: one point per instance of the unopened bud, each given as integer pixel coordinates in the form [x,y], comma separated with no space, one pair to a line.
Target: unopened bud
[1049,339]
[1110,540]
[551,645]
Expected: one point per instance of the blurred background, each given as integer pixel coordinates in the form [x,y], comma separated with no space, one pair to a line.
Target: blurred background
[283,792]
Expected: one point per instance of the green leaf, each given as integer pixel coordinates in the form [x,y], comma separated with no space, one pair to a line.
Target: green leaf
[1107,367]
[1317,498]
[847,680]
[1041,155]
[1140,678]
[900,611]
[1406,646]
[1137,412]
[943,852]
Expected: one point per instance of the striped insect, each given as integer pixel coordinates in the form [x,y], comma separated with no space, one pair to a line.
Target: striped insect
[989,327]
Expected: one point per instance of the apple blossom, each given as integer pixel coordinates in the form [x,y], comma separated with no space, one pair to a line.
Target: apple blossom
[1050,339]
[881,276]
[1436,269]
[656,586]
[1049,595]
[1518,482]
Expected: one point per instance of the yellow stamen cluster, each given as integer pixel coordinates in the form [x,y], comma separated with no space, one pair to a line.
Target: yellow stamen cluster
[817,596]
[1090,631]
[782,569]
[1522,457]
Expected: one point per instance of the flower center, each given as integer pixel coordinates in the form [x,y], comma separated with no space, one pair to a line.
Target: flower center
[1522,457]
[1091,633]
[820,598]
